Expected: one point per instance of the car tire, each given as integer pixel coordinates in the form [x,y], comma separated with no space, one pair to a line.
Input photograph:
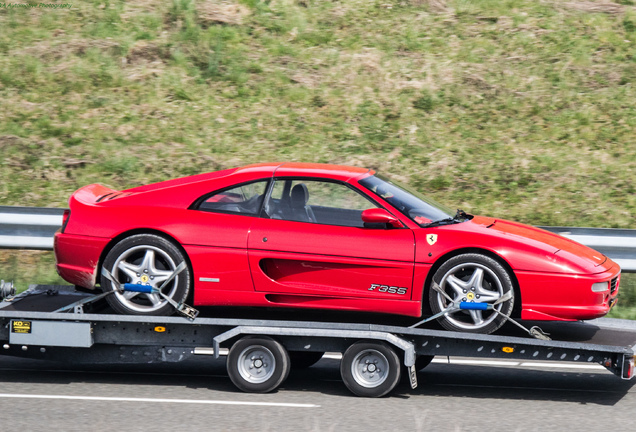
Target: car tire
[257,364]
[145,259]
[471,278]
[363,381]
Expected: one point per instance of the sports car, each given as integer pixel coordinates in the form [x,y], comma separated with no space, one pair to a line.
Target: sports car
[327,237]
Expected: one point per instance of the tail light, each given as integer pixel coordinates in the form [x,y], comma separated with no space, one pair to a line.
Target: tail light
[628,367]
[65,217]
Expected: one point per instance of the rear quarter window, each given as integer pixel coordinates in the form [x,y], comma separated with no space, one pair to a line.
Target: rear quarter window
[244,199]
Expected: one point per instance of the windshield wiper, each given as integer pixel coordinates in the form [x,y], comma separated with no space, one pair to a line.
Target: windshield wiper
[460,216]
[447,221]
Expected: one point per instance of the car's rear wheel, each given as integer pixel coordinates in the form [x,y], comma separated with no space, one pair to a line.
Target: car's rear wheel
[145,259]
[472,278]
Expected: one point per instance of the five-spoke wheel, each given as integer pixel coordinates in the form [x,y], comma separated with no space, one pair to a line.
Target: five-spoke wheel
[145,259]
[472,278]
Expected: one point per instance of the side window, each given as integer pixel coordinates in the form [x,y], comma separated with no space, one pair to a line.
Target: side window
[317,202]
[245,199]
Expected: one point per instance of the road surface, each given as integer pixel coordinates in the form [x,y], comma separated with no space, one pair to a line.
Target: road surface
[465,395]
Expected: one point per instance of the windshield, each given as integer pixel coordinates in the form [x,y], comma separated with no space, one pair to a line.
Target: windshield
[420,209]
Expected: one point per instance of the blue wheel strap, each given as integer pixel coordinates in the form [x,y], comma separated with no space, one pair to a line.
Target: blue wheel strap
[473,306]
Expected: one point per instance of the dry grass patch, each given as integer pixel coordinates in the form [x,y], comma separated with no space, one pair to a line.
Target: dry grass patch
[309,81]
[145,59]
[47,51]
[210,12]
[9,140]
[594,7]
[143,51]
[438,6]
[132,8]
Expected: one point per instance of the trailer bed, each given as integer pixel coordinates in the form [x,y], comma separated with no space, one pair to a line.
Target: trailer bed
[31,328]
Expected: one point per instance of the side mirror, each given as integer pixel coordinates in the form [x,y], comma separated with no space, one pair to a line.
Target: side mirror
[380,216]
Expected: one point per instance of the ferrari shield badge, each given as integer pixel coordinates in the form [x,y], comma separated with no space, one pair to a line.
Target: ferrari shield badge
[431,239]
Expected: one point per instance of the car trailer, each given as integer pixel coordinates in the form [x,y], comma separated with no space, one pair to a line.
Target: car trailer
[49,322]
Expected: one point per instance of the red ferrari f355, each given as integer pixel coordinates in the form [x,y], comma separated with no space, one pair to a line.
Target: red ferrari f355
[328,237]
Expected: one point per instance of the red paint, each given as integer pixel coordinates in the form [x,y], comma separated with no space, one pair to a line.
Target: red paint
[271,262]
[378,215]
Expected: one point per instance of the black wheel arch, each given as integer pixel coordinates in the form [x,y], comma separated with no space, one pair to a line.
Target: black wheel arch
[111,244]
[516,311]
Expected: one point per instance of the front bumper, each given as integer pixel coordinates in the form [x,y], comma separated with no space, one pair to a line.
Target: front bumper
[550,296]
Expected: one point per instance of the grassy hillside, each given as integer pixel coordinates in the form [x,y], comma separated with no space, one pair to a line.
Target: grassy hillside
[517,109]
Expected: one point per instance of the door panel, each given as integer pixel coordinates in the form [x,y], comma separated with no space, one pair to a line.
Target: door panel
[314,259]
[218,271]
[215,237]
[216,244]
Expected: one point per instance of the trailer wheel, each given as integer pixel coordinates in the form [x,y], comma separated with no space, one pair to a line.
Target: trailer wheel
[145,259]
[304,359]
[257,364]
[370,369]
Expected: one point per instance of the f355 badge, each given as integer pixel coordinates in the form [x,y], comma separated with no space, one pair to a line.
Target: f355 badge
[388,289]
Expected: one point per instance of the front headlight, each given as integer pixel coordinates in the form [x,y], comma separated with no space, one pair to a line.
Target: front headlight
[600,286]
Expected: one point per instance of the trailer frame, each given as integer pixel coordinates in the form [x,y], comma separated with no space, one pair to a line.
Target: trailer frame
[103,338]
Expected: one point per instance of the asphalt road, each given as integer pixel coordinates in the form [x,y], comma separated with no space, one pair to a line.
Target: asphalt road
[39,396]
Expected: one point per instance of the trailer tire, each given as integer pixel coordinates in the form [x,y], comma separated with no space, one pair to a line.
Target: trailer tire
[304,359]
[145,259]
[258,364]
[370,369]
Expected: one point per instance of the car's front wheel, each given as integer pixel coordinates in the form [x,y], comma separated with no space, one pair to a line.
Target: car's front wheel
[145,259]
[473,278]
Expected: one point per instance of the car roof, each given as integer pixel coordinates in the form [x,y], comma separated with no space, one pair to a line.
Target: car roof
[182,191]
[291,169]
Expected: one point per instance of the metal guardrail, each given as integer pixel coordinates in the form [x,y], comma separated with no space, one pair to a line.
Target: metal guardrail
[29,227]
[33,228]
[618,244]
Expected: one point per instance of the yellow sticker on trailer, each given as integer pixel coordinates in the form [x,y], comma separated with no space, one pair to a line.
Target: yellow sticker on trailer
[20,326]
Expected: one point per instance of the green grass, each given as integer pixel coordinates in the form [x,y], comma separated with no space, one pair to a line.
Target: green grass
[516,109]
[28,267]
[626,306]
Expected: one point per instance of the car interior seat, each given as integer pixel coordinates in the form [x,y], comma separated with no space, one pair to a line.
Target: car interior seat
[300,211]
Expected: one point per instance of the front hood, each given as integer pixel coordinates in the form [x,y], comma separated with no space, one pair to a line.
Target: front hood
[561,246]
